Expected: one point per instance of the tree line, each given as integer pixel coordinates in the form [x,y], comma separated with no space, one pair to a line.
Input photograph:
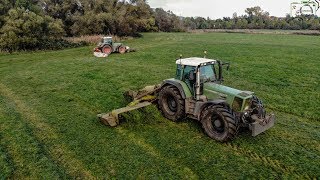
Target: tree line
[41,24]
[38,24]
[255,18]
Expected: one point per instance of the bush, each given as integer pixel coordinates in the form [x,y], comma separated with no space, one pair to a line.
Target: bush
[25,30]
[59,44]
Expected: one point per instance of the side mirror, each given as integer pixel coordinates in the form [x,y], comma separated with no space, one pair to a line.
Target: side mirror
[228,65]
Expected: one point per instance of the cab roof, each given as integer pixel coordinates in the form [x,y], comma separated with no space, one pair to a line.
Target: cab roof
[195,61]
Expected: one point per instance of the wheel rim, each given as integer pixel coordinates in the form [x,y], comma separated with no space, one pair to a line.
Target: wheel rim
[106,50]
[217,123]
[172,104]
[122,50]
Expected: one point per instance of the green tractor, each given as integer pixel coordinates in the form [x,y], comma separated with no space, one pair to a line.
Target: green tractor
[197,92]
[107,46]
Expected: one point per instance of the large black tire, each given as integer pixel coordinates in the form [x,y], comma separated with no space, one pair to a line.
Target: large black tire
[219,123]
[122,50]
[171,103]
[107,49]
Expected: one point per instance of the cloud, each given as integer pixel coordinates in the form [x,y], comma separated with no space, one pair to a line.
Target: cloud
[158,3]
[219,8]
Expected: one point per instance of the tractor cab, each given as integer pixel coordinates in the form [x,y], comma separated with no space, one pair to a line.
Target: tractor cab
[106,40]
[187,69]
[195,72]
[203,78]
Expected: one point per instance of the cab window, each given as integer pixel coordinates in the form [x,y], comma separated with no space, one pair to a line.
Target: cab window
[187,70]
[178,73]
[207,73]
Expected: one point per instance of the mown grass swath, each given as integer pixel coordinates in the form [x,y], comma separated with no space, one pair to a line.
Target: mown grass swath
[49,102]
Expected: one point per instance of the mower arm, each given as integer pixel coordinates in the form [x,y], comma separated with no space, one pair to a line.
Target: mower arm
[112,119]
[140,99]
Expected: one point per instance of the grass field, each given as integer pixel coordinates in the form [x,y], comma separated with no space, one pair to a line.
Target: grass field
[49,102]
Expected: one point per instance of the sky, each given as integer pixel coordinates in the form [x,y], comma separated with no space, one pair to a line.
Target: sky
[221,8]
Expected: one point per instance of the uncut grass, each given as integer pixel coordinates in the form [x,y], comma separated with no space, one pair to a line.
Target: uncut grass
[68,88]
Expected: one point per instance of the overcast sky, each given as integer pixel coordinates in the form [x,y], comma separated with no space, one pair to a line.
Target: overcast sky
[221,8]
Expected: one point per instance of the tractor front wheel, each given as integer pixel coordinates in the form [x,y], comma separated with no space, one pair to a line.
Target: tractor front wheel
[219,123]
[171,103]
[122,49]
[258,108]
[107,49]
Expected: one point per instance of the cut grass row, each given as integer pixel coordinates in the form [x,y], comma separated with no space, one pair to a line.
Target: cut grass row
[43,141]
[149,139]
[23,156]
[65,90]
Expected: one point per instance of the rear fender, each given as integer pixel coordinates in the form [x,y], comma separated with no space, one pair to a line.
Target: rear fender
[184,91]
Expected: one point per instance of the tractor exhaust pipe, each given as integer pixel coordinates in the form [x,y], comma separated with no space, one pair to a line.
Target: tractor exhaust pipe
[220,78]
[221,64]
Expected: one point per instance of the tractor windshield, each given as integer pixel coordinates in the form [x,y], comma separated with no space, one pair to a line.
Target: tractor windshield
[207,73]
[106,40]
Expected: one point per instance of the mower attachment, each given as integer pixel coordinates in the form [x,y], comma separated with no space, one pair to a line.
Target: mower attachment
[140,99]
[100,54]
[112,119]
[261,125]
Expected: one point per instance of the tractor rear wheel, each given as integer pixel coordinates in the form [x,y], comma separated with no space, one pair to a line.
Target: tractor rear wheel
[219,123]
[122,49]
[171,103]
[107,49]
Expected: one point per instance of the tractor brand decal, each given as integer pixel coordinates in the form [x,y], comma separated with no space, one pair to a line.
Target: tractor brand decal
[305,7]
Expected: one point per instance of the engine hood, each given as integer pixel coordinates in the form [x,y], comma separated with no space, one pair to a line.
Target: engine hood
[227,90]
[117,44]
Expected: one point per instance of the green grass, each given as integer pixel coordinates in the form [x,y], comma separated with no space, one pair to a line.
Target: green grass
[49,102]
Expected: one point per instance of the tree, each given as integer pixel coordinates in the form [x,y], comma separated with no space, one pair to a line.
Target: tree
[201,23]
[5,5]
[112,17]
[315,24]
[163,20]
[31,5]
[189,23]
[63,10]
[242,23]
[25,30]
[256,11]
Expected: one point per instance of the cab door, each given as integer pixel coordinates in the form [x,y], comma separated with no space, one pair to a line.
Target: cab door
[188,72]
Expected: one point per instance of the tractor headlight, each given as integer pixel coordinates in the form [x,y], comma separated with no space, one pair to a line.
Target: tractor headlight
[237,103]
